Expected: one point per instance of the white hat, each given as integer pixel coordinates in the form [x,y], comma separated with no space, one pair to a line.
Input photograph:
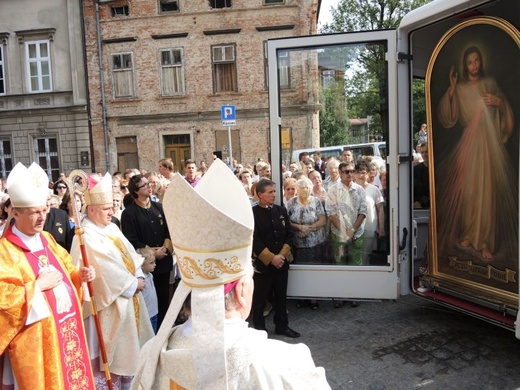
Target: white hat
[211,228]
[28,187]
[99,192]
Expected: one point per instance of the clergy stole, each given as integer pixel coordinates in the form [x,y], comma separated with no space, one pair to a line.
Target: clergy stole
[66,311]
[130,266]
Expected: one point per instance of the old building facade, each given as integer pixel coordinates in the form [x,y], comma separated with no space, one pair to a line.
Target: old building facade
[160,70]
[43,93]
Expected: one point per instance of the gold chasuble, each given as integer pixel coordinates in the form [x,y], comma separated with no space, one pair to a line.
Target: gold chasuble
[50,353]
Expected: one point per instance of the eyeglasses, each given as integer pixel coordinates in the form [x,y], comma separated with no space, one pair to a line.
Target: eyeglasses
[147,184]
[347,171]
[61,187]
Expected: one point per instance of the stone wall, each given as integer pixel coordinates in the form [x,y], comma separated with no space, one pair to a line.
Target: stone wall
[195,28]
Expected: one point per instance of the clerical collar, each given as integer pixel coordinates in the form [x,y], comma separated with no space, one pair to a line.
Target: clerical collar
[34,242]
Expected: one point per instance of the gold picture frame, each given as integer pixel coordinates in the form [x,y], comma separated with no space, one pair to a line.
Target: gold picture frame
[471,83]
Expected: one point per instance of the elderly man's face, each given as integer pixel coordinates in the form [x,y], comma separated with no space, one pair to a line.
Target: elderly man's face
[267,197]
[266,172]
[333,172]
[30,220]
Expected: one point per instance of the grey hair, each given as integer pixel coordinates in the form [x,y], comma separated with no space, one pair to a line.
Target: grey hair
[304,182]
[230,300]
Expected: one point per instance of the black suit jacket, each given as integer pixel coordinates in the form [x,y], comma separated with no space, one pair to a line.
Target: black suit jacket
[320,167]
[57,224]
[272,231]
[147,227]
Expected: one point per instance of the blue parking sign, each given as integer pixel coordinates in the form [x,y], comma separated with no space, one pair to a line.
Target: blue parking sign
[228,115]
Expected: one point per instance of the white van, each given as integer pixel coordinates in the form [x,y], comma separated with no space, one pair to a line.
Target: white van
[423,254]
[364,149]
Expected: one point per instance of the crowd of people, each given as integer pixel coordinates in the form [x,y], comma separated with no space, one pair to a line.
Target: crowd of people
[131,252]
[333,212]
[123,249]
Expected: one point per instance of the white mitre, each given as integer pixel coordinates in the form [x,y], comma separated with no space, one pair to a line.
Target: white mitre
[28,187]
[211,229]
[99,192]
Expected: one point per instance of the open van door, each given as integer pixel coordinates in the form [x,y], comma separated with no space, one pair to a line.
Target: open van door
[468,52]
[331,70]
[317,81]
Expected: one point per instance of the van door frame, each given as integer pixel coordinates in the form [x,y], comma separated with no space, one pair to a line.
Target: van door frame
[331,281]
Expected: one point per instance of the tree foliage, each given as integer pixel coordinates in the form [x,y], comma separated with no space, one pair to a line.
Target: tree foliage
[333,115]
[419,105]
[365,82]
[363,15]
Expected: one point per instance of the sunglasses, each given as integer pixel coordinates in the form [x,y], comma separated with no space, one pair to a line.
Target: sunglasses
[122,187]
[61,187]
[348,171]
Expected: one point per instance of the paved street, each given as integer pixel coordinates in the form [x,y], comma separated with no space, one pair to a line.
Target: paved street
[407,344]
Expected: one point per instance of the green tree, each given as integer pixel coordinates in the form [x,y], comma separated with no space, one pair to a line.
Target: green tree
[365,89]
[419,106]
[333,114]
[361,15]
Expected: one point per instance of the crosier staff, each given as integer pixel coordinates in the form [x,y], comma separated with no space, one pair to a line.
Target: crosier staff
[78,181]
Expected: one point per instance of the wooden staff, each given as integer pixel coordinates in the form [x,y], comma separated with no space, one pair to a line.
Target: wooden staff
[78,181]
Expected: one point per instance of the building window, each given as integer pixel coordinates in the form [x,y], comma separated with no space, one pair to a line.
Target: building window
[284,66]
[6,157]
[284,75]
[46,155]
[38,57]
[2,71]
[220,3]
[120,11]
[127,153]
[172,72]
[123,75]
[274,1]
[224,68]
[169,5]
[328,77]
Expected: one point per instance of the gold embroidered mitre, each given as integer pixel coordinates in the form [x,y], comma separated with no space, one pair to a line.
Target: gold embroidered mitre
[99,192]
[211,227]
[28,187]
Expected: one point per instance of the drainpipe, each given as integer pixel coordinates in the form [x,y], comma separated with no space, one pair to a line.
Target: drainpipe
[87,89]
[102,85]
